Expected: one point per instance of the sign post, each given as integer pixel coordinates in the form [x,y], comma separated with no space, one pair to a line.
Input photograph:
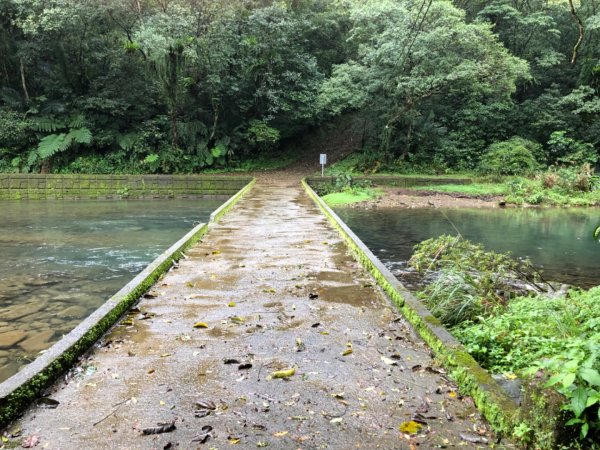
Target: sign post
[323,161]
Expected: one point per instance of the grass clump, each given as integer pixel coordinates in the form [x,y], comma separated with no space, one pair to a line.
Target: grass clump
[510,320]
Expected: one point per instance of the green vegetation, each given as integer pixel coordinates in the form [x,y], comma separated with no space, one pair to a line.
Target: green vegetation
[346,190]
[511,321]
[350,196]
[180,86]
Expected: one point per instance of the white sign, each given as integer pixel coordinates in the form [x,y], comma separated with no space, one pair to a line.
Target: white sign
[323,161]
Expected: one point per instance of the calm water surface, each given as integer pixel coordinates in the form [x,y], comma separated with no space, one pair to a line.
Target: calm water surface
[557,240]
[60,260]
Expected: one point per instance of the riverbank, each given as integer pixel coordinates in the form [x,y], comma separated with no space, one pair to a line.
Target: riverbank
[392,197]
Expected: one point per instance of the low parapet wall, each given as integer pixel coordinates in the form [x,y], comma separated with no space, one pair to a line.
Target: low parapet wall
[395,180]
[50,186]
[21,389]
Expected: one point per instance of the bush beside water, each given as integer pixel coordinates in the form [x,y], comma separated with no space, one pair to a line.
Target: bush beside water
[512,321]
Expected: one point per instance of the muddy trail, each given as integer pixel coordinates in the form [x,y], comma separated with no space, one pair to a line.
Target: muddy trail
[268,334]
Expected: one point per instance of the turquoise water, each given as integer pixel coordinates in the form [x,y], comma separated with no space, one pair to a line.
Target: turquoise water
[60,260]
[559,241]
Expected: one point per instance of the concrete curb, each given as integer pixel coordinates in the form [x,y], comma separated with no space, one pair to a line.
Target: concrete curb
[17,393]
[498,408]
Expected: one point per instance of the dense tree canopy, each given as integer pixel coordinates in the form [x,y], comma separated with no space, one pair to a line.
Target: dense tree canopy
[185,85]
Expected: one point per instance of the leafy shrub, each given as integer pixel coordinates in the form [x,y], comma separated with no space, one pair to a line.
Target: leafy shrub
[513,157]
[570,152]
[467,280]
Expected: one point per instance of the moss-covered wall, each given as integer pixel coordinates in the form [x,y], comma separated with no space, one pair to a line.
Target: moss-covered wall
[50,186]
[395,180]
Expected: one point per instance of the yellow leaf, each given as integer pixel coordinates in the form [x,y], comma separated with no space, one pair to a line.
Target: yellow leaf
[216,252]
[164,355]
[510,376]
[238,320]
[269,291]
[231,304]
[234,440]
[347,352]
[324,333]
[162,403]
[200,325]
[411,427]
[280,433]
[4,439]
[284,373]
[452,394]
[262,444]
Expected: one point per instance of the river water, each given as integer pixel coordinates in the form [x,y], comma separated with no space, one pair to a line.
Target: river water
[559,241]
[60,260]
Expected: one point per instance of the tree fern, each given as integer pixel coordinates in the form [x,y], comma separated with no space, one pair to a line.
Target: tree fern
[127,141]
[51,145]
[56,143]
[79,135]
[77,121]
[47,124]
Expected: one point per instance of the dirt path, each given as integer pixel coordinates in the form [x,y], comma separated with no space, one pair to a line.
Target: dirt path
[276,289]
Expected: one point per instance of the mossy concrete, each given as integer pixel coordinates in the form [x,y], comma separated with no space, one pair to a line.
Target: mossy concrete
[82,186]
[391,180]
[492,401]
[20,390]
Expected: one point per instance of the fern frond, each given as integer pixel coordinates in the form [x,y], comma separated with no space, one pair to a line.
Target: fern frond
[127,141]
[80,135]
[52,144]
[47,124]
[77,121]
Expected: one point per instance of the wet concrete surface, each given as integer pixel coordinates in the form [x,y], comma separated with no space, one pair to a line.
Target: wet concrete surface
[271,287]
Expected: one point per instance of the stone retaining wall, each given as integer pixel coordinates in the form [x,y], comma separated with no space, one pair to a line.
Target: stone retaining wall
[395,180]
[50,186]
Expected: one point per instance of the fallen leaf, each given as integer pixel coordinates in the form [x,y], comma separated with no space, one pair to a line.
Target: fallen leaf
[204,436]
[280,433]
[473,438]
[347,352]
[269,291]
[200,325]
[410,427]
[233,440]
[452,394]
[48,403]
[231,304]
[216,252]
[30,441]
[388,361]
[161,428]
[283,373]
[238,320]
[510,376]
[165,355]
[337,420]
[262,444]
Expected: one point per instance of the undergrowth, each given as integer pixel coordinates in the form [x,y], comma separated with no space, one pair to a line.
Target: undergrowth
[511,321]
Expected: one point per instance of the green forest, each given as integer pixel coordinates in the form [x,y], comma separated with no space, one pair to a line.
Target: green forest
[502,87]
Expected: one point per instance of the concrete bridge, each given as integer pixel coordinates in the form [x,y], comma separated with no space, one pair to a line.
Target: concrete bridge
[268,332]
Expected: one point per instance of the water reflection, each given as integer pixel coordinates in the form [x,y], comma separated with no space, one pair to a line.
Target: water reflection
[557,240]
